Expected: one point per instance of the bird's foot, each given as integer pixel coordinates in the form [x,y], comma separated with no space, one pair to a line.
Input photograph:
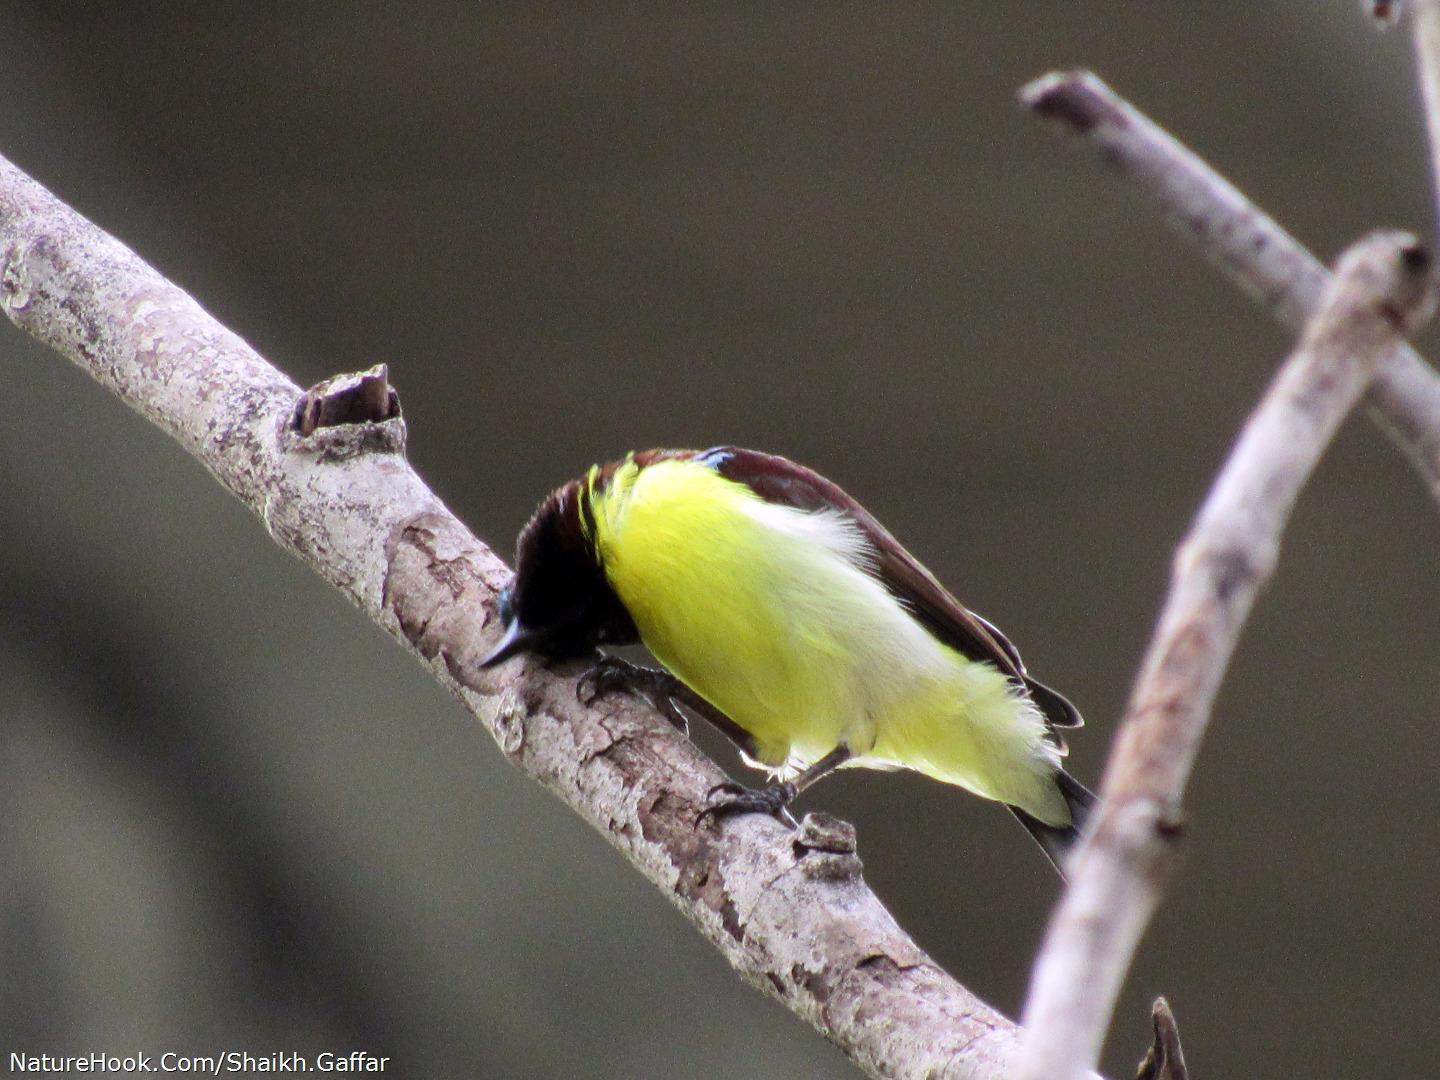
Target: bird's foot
[730,798]
[658,687]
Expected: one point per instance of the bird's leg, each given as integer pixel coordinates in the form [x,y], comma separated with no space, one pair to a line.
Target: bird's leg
[663,691]
[731,798]
[655,685]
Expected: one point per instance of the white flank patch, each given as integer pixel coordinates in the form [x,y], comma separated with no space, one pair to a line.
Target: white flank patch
[833,530]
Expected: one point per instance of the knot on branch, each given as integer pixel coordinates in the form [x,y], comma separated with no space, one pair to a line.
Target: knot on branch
[1386,13]
[825,832]
[826,848]
[1229,558]
[358,412]
[1390,273]
[1144,833]
[15,288]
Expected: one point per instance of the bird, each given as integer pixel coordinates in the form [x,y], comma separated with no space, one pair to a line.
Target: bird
[786,614]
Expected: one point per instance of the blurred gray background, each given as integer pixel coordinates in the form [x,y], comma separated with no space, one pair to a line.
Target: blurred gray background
[233,815]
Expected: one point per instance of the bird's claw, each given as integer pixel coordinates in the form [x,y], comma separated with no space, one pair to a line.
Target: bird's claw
[610,673]
[730,798]
[606,675]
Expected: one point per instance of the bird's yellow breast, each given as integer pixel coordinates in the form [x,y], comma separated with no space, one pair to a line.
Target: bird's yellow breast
[765,611]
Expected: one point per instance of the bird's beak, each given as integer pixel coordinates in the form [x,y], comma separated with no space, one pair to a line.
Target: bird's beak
[517,638]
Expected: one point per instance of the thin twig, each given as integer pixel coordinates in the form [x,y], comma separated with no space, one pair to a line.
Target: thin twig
[1382,288]
[1426,17]
[326,473]
[1241,241]
[1165,1060]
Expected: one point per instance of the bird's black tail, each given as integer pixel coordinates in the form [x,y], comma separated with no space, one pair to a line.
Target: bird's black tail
[1057,840]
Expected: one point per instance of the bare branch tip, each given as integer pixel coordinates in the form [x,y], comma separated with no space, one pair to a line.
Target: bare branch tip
[1164,1060]
[1079,99]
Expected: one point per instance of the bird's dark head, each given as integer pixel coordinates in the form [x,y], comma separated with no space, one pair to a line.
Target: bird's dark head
[559,604]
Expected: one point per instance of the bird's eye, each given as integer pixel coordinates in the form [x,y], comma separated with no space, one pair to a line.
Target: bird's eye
[505,605]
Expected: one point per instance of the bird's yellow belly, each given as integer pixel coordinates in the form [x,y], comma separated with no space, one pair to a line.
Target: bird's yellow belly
[747,605]
[751,651]
[769,615]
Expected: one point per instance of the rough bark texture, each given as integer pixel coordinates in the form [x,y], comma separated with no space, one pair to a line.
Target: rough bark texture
[1382,288]
[327,475]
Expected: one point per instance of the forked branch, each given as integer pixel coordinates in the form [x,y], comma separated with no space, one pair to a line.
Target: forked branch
[1242,241]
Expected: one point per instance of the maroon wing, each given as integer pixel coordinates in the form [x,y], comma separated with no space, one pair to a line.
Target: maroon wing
[779,480]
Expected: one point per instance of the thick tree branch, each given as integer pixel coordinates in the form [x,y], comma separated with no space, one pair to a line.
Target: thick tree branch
[1382,288]
[1242,242]
[326,474]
